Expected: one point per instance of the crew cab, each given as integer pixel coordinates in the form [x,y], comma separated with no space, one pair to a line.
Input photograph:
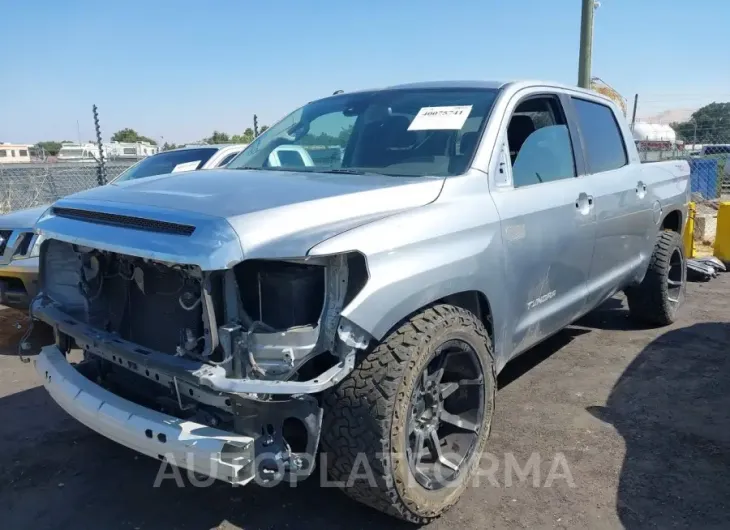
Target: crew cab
[239,322]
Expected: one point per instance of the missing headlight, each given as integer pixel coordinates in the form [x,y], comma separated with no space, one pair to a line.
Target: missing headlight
[281,295]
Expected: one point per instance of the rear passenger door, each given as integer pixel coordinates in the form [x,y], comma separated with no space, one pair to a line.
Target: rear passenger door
[547,220]
[622,201]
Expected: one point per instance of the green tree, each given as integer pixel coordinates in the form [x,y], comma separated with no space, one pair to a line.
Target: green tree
[167,146]
[708,125]
[131,136]
[245,138]
[344,135]
[49,147]
[327,140]
[218,138]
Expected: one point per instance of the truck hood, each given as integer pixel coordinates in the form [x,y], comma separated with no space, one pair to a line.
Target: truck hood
[269,214]
[22,218]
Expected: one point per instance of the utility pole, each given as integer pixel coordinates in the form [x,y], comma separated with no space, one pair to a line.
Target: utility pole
[586,43]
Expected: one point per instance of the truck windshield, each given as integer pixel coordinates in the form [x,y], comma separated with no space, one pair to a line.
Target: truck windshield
[399,132]
[168,162]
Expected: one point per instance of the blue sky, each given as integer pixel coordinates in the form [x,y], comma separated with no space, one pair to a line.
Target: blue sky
[180,69]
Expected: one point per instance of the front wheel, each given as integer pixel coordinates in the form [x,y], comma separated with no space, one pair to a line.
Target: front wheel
[657,299]
[403,433]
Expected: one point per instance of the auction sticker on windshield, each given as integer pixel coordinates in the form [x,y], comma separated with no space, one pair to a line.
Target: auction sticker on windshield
[440,118]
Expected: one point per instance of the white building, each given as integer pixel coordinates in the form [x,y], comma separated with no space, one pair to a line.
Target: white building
[133,150]
[89,152]
[70,152]
[14,153]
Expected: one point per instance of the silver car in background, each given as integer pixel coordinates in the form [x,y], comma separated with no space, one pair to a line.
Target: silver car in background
[19,246]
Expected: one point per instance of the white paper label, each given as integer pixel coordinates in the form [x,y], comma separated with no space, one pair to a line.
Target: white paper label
[440,118]
[186,166]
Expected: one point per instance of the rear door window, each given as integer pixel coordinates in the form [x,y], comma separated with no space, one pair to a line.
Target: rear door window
[602,138]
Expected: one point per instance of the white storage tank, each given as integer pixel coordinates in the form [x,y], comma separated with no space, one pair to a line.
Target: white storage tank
[666,133]
[653,132]
[643,132]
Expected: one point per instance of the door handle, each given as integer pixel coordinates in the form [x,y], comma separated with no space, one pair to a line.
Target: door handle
[584,203]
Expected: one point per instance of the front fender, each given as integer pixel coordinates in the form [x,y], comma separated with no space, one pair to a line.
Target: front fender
[406,281]
[418,257]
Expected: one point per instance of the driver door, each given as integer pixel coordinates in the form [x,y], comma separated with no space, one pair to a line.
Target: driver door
[547,221]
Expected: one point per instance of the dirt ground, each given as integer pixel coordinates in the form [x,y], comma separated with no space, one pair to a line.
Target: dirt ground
[641,416]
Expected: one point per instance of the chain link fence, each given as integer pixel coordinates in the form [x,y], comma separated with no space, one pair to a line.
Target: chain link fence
[692,126]
[709,163]
[28,185]
[34,184]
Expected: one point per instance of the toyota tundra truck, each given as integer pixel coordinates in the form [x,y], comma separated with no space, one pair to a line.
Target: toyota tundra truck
[256,322]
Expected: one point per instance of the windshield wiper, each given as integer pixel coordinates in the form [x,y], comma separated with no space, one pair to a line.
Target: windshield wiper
[281,169]
[337,171]
[347,171]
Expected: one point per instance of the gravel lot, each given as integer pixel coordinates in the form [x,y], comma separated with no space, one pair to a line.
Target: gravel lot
[641,416]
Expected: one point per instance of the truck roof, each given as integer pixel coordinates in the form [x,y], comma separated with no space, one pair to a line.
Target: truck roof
[486,84]
[450,84]
[212,146]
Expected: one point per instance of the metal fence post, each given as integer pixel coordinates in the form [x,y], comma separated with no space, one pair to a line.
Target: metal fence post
[101,168]
[633,114]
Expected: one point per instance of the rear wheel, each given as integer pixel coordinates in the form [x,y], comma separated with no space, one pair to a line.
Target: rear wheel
[660,295]
[404,432]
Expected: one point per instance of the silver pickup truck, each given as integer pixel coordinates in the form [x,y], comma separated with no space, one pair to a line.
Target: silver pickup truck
[249,322]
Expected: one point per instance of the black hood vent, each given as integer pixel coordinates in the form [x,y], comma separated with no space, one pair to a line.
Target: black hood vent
[124,221]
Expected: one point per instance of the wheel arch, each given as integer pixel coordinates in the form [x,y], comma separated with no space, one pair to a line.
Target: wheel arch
[473,300]
[673,221]
[477,303]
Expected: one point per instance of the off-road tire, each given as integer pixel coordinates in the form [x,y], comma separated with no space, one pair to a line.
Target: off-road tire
[365,416]
[649,301]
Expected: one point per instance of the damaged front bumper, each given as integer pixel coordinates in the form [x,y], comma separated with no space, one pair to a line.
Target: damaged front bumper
[212,452]
[160,397]
[152,364]
[240,353]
